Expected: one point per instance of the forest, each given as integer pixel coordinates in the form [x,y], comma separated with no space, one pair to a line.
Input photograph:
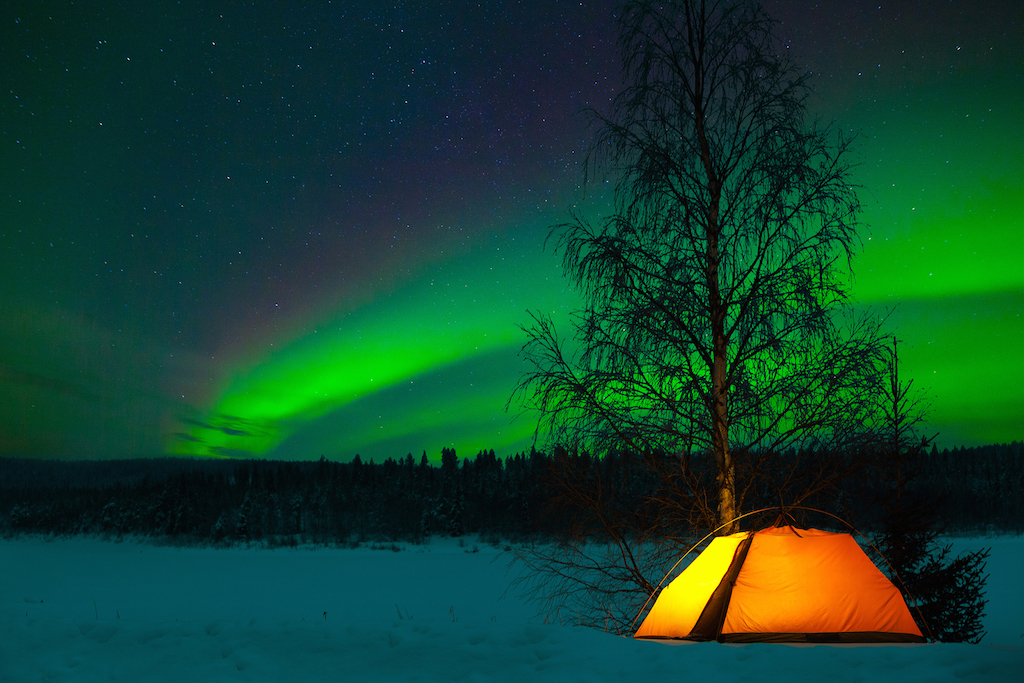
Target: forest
[275,503]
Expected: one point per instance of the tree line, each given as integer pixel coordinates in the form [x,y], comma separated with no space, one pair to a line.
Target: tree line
[218,501]
[275,502]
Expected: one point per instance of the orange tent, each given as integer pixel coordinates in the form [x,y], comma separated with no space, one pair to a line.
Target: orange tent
[782,584]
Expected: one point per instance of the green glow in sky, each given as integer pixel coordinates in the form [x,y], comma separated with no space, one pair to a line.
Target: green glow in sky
[210,251]
[452,322]
[432,362]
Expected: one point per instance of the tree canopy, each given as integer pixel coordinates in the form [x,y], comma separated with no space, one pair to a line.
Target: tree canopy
[714,322]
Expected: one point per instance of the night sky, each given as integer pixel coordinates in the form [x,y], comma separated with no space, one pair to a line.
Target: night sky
[285,232]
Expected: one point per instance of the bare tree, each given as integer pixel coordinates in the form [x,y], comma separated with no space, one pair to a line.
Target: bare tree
[714,336]
[715,289]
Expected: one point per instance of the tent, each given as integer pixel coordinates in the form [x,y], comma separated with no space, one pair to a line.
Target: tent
[782,584]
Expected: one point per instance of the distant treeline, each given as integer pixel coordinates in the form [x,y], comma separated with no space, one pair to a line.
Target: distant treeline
[226,501]
[977,489]
[272,501]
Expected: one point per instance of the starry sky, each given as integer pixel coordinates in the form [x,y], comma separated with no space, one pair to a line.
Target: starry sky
[269,230]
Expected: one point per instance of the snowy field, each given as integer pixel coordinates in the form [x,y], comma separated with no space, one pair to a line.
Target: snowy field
[88,610]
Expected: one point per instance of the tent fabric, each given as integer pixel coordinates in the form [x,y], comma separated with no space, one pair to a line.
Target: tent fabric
[782,584]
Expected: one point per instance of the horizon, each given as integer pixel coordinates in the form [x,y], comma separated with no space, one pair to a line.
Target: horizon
[342,460]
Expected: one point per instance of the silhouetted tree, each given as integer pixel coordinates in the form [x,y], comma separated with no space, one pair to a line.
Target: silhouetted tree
[947,594]
[455,526]
[715,288]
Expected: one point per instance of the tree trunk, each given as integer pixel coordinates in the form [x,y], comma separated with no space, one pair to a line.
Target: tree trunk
[727,507]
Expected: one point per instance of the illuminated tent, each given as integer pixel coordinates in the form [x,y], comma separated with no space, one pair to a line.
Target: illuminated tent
[782,584]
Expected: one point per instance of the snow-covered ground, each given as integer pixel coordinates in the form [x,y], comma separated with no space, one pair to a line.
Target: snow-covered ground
[88,610]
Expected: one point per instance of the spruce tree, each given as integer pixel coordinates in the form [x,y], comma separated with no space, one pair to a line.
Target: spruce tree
[946,595]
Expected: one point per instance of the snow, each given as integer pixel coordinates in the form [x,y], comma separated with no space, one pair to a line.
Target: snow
[90,610]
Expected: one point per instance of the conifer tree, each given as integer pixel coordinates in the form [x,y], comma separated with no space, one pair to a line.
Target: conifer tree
[946,594]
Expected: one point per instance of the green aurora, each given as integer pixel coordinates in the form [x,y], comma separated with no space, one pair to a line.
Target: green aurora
[437,358]
[235,303]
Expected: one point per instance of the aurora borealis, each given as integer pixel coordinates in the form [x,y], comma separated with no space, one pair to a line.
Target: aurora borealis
[289,232]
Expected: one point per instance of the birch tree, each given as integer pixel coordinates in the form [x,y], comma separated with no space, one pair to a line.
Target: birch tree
[715,287]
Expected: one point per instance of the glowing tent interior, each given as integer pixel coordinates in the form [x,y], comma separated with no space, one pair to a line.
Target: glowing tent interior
[782,584]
